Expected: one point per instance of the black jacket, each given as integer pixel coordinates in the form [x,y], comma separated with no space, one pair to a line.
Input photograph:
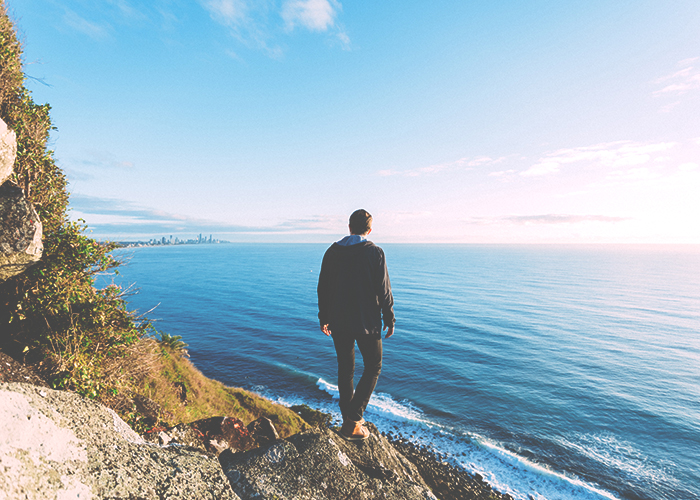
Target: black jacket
[354,292]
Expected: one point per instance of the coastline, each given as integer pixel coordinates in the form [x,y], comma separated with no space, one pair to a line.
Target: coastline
[376,459]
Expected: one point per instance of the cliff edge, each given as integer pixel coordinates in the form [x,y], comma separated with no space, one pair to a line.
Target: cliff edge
[58,444]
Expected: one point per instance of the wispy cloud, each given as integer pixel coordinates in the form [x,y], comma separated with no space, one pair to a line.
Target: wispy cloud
[543,219]
[102,160]
[682,81]
[255,22]
[94,30]
[115,209]
[612,155]
[228,12]
[315,15]
[679,83]
[544,167]
[128,11]
[98,20]
[248,22]
[117,217]
[502,173]
[461,164]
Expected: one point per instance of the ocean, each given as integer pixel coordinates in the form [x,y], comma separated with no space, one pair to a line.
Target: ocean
[556,372]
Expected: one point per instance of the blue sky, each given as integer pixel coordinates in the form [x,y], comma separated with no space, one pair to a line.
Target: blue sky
[466,122]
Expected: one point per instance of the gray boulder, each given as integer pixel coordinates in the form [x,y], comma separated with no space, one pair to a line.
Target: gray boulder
[20,227]
[56,444]
[377,458]
[8,151]
[20,232]
[321,465]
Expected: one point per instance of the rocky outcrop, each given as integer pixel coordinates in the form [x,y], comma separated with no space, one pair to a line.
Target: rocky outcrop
[20,227]
[56,444]
[320,464]
[8,151]
[20,232]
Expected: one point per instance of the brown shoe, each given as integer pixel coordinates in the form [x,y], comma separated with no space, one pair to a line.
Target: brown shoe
[354,431]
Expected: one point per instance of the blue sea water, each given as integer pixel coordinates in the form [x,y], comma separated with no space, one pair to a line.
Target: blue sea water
[556,372]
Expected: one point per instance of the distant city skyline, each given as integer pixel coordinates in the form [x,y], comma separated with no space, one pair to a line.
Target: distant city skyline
[458,122]
[171,240]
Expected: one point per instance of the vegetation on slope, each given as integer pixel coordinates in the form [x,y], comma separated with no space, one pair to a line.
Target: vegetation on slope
[52,313]
[178,392]
[79,337]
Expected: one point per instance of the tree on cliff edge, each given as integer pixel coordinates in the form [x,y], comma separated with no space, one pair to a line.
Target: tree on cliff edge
[52,315]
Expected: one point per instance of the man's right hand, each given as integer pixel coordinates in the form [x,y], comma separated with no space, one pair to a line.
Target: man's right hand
[326,330]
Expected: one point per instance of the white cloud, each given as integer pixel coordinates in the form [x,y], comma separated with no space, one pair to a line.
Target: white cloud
[255,23]
[461,164]
[82,25]
[315,15]
[344,40]
[542,168]
[227,12]
[614,155]
[111,217]
[679,83]
[543,219]
[388,172]
[501,173]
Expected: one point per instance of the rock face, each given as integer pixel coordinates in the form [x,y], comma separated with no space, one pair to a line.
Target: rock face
[56,444]
[8,151]
[20,232]
[20,228]
[321,465]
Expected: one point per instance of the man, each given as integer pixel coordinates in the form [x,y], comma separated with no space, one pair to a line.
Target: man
[354,295]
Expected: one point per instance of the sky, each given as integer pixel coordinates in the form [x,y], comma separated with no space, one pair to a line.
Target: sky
[499,121]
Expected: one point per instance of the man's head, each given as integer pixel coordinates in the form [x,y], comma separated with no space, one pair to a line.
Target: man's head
[360,222]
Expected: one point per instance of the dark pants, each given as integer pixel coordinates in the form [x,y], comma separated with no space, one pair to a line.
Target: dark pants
[354,402]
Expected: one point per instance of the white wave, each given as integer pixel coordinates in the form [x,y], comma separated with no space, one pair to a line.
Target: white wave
[523,479]
[381,404]
[612,452]
[504,470]
[328,388]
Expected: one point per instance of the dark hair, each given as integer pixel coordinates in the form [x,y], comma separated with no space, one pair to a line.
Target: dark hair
[360,222]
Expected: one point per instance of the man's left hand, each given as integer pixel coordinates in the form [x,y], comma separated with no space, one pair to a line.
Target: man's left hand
[389,331]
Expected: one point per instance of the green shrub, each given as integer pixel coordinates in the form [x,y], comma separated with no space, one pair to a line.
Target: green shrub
[173,342]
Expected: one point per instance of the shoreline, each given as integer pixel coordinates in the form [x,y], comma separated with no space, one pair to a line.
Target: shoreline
[447,481]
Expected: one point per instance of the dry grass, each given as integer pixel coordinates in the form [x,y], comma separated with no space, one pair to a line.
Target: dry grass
[183,393]
[11,76]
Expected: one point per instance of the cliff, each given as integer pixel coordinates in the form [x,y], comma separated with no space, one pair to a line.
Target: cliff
[58,444]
